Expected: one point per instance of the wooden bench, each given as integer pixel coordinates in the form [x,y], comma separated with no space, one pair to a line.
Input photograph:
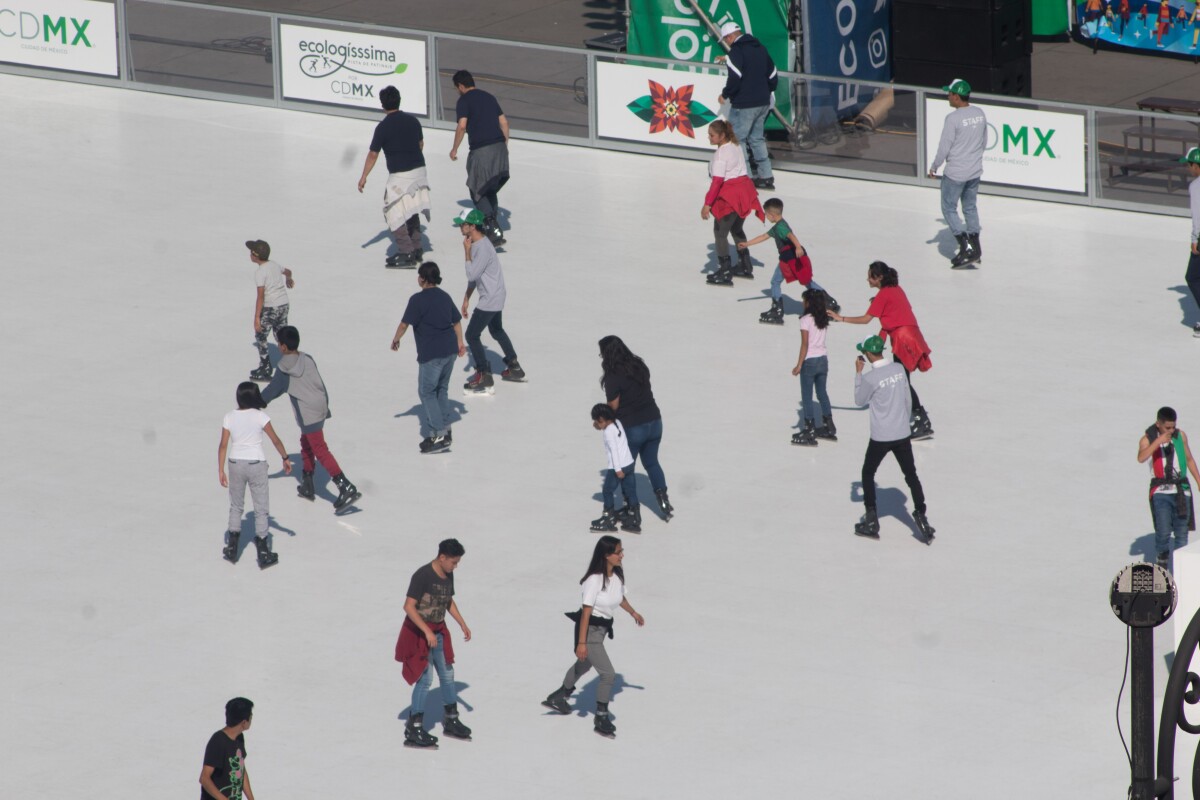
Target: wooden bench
[1140,162]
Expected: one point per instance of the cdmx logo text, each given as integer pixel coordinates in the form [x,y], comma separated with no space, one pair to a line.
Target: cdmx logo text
[28,27]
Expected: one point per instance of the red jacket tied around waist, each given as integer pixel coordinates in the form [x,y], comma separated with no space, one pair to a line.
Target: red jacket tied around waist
[734,196]
[413,651]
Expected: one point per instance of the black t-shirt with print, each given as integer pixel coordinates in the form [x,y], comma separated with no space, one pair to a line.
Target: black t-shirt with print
[637,400]
[432,593]
[399,136]
[482,111]
[227,757]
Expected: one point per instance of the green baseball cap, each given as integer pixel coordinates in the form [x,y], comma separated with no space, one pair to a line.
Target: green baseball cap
[872,345]
[472,217]
[1192,157]
[959,87]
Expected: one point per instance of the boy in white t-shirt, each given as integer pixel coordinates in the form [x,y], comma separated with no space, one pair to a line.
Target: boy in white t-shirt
[271,303]
[620,468]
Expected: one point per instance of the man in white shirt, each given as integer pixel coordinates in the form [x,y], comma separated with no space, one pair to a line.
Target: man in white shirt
[1192,159]
[270,304]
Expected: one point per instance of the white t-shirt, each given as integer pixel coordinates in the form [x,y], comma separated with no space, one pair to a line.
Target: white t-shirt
[816,337]
[617,446]
[728,162]
[604,600]
[269,275]
[245,426]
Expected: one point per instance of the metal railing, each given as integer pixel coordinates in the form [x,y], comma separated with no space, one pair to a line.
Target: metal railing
[549,94]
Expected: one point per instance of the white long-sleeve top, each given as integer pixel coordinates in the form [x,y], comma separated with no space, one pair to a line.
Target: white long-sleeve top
[616,445]
[964,137]
[728,162]
[1194,195]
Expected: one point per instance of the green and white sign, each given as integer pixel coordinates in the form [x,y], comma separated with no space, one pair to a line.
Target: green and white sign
[75,35]
[348,68]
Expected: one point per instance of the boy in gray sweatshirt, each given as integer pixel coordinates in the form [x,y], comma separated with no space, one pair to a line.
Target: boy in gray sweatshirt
[880,383]
[297,375]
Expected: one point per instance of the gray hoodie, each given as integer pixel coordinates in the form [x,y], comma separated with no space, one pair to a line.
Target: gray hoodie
[297,375]
[884,387]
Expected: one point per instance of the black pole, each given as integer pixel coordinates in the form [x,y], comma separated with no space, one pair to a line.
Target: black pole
[1141,703]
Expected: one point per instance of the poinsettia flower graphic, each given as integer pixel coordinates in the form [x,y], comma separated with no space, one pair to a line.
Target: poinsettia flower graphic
[673,110]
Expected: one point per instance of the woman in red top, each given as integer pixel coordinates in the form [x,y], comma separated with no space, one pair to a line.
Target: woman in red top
[731,198]
[896,319]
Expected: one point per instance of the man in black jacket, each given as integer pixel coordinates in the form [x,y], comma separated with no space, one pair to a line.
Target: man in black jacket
[752,79]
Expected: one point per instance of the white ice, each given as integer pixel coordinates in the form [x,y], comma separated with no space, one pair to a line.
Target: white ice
[782,656]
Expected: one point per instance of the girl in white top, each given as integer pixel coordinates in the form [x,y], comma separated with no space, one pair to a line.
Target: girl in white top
[813,368]
[731,197]
[603,593]
[242,444]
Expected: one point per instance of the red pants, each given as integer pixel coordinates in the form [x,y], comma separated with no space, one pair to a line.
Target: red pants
[313,444]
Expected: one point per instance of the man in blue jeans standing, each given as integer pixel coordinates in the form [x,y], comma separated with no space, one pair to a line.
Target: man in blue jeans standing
[437,327]
[749,87]
[964,137]
[1166,448]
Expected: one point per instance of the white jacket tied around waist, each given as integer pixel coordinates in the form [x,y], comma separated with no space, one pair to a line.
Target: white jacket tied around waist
[406,193]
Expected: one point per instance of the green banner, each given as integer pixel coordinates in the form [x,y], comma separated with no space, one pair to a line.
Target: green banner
[672,29]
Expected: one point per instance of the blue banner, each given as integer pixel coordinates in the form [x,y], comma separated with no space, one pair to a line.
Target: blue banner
[845,39]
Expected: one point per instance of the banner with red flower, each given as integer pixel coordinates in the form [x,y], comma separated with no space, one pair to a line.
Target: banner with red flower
[678,105]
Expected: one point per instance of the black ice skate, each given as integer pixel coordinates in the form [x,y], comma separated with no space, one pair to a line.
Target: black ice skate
[603,722]
[434,444]
[557,700]
[920,427]
[745,267]
[868,526]
[765,183]
[1164,561]
[724,274]
[831,304]
[452,726]
[664,504]
[347,493]
[263,373]
[306,488]
[480,383]
[968,253]
[806,437]
[265,557]
[514,371]
[230,551]
[492,231]
[827,430]
[415,734]
[773,315]
[606,522]
[923,526]
[631,519]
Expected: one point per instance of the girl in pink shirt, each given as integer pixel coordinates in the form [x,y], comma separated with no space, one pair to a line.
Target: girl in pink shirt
[813,368]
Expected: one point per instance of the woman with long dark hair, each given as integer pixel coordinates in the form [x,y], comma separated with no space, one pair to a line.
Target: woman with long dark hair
[813,369]
[603,593]
[896,319]
[626,384]
[730,199]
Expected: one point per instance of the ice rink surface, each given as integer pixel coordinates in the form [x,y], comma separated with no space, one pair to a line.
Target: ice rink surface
[782,656]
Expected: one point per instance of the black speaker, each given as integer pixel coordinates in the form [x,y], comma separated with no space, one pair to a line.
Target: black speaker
[1012,78]
[988,37]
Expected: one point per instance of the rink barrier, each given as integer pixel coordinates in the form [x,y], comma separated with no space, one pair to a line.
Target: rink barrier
[550,94]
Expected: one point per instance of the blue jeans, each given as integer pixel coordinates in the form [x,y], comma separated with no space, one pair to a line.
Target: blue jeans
[813,373]
[748,128]
[628,488]
[433,383]
[644,440]
[437,661]
[1166,522]
[777,284]
[952,193]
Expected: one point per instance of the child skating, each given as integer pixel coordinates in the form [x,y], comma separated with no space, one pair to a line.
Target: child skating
[270,304]
[812,367]
[620,468]
[242,445]
[794,263]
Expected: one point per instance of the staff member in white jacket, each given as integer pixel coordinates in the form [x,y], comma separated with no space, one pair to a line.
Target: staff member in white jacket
[964,138]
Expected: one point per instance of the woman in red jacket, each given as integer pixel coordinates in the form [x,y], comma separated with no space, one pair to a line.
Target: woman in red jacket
[731,198]
[896,319]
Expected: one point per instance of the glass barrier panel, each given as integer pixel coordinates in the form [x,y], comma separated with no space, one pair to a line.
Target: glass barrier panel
[1138,157]
[201,49]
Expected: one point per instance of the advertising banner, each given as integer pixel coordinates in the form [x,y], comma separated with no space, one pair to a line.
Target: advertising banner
[672,29]
[659,106]
[845,39]
[349,69]
[1039,149]
[75,35]
[1138,25]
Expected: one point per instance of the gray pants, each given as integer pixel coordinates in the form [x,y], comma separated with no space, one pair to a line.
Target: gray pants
[255,474]
[598,658]
[408,236]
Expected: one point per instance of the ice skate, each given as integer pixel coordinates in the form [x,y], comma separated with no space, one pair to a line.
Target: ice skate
[434,444]
[745,267]
[306,488]
[480,383]
[557,700]
[513,372]
[265,557]
[492,231]
[968,254]
[664,504]
[602,722]
[868,526]
[923,526]
[831,304]
[920,427]
[806,437]
[606,522]
[827,430]
[773,315]
[415,734]
[630,519]
[263,373]
[230,551]
[724,274]
[347,492]
[1164,561]
[1196,330]
[452,726]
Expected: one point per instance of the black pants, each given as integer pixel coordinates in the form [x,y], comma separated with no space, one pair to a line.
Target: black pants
[1193,277]
[902,448]
[487,204]
[730,223]
[493,321]
[916,403]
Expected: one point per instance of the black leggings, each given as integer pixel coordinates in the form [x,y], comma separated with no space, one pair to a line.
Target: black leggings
[916,403]
[902,448]
[730,223]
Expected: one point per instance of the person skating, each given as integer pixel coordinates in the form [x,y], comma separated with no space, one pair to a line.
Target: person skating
[1192,277]
[603,593]
[437,329]
[794,263]
[750,91]
[482,121]
[270,304]
[484,272]
[298,377]
[424,644]
[242,444]
[884,389]
[223,775]
[620,468]
[1165,446]
[812,367]
[730,199]
[406,194]
[896,319]
[964,138]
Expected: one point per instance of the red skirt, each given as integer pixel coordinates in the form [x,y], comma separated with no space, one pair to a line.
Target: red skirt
[910,349]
